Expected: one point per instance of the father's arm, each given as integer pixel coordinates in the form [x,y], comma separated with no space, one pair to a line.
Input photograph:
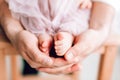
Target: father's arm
[8,23]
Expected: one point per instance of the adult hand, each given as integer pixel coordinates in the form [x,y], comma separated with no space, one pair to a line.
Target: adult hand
[99,28]
[27,45]
[62,70]
[86,43]
[90,40]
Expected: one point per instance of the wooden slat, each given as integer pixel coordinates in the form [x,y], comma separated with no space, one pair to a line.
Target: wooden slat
[107,63]
[3,74]
[14,68]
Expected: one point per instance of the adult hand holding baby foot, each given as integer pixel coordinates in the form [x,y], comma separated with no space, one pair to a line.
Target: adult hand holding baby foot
[95,36]
[90,40]
[27,43]
[84,44]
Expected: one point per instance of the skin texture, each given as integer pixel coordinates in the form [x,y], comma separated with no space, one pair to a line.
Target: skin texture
[27,43]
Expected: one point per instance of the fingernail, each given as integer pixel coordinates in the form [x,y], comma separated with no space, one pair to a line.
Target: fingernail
[70,56]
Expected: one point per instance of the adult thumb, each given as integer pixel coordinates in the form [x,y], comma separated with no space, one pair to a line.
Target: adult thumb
[73,53]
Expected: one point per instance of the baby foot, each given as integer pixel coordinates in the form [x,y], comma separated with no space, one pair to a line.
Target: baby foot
[45,42]
[63,41]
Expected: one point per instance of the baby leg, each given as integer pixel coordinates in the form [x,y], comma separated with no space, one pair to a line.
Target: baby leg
[45,42]
[63,41]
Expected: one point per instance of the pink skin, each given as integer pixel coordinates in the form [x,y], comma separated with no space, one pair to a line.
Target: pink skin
[45,42]
[62,42]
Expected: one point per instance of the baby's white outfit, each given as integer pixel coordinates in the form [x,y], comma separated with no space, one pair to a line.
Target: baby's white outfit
[50,16]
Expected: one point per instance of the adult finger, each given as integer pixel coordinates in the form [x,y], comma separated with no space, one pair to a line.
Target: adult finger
[30,61]
[75,51]
[30,46]
[39,57]
[61,70]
